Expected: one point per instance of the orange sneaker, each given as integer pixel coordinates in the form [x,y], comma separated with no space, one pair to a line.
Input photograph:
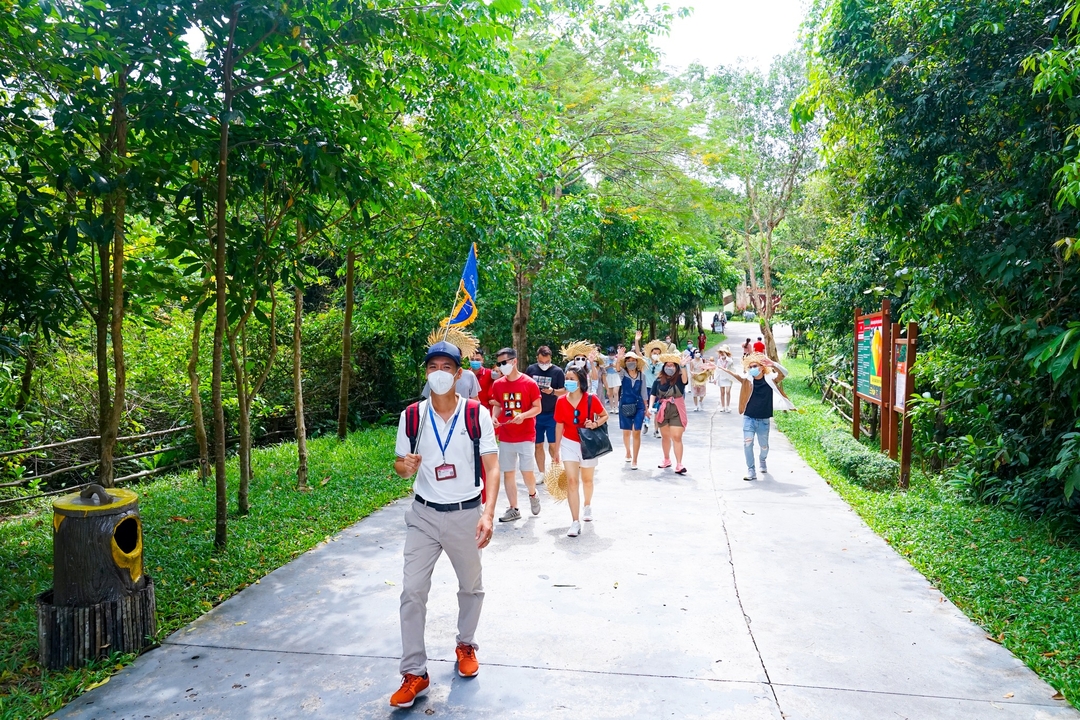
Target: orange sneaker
[467,666]
[412,687]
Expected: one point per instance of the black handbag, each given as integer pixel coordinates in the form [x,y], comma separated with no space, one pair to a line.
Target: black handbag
[594,443]
[631,410]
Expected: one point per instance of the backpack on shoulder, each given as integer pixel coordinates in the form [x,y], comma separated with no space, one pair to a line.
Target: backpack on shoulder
[413,421]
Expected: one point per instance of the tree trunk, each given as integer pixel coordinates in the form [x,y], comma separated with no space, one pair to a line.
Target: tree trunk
[111,427]
[523,285]
[220,317]
[101,350]
[346,347]
[674,327]
[243,420]
[26,379]
[196,402]
[652,327]
[298,390]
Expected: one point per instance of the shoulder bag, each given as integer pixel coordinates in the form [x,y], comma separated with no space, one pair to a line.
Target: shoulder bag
[594,443]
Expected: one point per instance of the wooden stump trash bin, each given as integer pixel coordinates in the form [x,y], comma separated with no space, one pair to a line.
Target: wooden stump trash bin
[101,600]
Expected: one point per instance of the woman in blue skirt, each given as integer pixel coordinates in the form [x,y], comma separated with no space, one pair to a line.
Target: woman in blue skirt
[633,404]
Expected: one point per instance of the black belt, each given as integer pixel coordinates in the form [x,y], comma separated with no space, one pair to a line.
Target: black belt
[441,507]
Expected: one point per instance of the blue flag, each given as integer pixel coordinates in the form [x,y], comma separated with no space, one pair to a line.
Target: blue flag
[465,310]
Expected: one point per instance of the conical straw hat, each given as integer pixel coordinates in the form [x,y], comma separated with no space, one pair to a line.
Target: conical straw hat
[555,482]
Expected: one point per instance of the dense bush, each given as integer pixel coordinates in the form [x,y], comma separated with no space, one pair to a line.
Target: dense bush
[859,463]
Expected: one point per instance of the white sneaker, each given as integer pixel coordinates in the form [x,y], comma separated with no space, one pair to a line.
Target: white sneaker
[628,459]
[575,529]
[587,514]
[633,466]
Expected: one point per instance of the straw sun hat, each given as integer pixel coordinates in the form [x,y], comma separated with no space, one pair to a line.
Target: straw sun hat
[725,350]
[578,348]
[752,358]
[655,346]
[620,363]
[671,358]
[555,482]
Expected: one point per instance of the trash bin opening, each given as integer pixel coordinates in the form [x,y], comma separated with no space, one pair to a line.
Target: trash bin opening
[126,535]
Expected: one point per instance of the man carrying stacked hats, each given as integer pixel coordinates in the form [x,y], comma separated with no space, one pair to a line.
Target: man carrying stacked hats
[441,441]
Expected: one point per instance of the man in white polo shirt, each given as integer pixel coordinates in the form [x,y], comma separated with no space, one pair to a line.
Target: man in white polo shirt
[445,516]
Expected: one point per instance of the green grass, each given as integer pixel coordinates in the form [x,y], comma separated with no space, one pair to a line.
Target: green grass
[1009,574]
[350,480]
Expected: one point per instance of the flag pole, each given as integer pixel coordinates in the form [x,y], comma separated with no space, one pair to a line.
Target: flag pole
[450,317]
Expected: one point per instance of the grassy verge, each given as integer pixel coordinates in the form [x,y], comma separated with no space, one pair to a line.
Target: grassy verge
[1007,573]
[349,480]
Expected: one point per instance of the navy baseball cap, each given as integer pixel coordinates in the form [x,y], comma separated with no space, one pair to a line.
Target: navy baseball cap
[444,349]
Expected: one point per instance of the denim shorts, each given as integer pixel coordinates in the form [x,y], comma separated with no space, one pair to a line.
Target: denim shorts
[545,428]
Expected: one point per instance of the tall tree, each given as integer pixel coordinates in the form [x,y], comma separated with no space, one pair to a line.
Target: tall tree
[760,160]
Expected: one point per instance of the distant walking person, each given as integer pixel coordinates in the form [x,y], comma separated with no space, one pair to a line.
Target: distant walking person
[759,398]
[633,405]
[700,374]
[446,514]
[670,390]
[515,400]
[573,411]
[723,379]
[549,378]
[759,346]
[702,339]
[653,368]
[612,381]
[483,377]
[747,347]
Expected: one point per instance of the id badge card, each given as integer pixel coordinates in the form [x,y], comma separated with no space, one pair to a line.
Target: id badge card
[445,472]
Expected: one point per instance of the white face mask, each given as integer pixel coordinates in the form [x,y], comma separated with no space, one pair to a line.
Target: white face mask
[655,357]
[544,366]
[506,368]
[441,382]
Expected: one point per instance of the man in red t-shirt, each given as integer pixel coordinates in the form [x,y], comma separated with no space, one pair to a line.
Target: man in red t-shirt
[484,377]
[759,346]
[515,401]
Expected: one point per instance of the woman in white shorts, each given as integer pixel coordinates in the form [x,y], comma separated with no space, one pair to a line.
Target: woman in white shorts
[723,380]
[574,410]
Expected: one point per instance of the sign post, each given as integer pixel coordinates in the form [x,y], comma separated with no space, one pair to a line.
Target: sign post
[904,354]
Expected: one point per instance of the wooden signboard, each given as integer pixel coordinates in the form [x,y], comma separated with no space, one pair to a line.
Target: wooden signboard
[873,366]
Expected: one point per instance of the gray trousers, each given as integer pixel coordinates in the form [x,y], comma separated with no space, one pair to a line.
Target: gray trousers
[429,534]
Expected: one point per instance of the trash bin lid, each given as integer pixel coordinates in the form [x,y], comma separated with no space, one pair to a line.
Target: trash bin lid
[74,505]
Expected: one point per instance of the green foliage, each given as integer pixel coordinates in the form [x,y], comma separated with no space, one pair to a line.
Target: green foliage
[1015,577]
[351,479]
[843,451]
[948,189]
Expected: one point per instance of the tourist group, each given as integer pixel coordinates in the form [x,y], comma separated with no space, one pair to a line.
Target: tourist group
[478,425]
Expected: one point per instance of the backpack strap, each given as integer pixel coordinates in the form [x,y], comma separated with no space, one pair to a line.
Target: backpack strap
[412,425]
[472,426]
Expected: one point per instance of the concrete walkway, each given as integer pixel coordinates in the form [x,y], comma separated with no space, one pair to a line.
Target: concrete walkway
[701,596]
